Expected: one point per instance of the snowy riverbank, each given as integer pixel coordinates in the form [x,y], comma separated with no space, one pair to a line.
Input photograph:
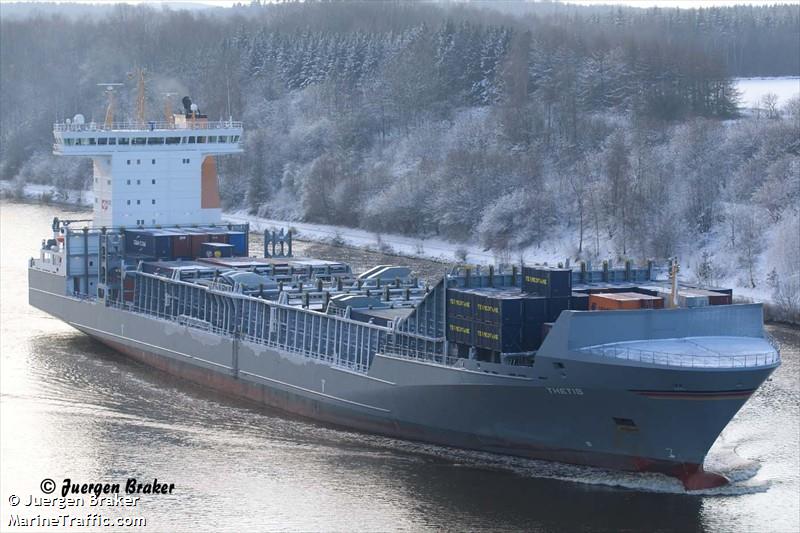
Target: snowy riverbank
[436,249]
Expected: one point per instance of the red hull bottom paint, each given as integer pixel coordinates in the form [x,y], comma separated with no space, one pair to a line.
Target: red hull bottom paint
[691,475]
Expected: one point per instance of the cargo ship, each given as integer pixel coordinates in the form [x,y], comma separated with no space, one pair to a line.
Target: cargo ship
[607,367]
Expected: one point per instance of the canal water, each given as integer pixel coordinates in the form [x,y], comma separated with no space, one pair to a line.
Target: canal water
[72,408]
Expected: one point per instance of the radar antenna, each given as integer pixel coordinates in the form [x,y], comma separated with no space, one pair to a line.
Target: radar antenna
[109,123]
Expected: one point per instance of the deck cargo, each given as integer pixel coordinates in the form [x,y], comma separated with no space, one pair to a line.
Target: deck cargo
[460,331]
[613,301]
[216,234]
[152,243]
[579,301]
[197,238]
[498,337]
[534,315]
[624,300]
[216,249]
[555,306]
[714,297]
[238,240]
[460,303]
[548,282]
[497,307]
[181,245]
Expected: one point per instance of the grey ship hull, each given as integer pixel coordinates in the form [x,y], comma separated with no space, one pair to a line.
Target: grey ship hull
[563,411]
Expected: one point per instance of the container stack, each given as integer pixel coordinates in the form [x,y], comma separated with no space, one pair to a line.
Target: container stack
[490,319]
[498,322]
[184,244]
[610,301]
[552,284]
[504,321]
[547,282]
[153,244]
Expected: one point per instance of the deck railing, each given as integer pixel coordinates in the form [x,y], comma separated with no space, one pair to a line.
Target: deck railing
[747,360]
[405,352]
[340,342]
[147,126]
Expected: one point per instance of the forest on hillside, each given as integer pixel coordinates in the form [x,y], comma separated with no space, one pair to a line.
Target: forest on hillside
[617,132]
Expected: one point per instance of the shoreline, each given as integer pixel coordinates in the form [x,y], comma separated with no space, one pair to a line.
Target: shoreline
[772,314]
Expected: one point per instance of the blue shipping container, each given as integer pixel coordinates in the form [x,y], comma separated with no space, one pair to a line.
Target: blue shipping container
[149,243]
[238,240]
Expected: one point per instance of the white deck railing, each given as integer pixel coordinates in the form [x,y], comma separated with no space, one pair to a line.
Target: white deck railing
[147,126]
[746,360]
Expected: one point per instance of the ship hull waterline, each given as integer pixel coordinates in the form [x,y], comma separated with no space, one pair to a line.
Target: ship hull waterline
[692,475]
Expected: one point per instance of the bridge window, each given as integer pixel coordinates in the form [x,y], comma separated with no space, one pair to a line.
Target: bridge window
[129,162]
[124,140]
[153,162]
[138,161]
[92,141]
[68,142]
[153,181]
[129,181]
[191,140]
[173,140]
[139,140]
[112,140]
[138,182]
[129,202]
[138,202]
[212,139]
[155,140]
[201,140]
[102,141]
[153,201]
[223,138]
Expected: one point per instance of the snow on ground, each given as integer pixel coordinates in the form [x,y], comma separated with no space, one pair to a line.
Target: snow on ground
[438,249]
[34,191]
[408,246]
[752,89]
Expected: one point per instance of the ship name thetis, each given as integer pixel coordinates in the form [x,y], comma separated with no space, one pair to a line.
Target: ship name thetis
[606,367]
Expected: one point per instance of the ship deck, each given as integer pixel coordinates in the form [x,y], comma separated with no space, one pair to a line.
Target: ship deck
[707,351]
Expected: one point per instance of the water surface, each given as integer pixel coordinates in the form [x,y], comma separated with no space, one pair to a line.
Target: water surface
[69,407]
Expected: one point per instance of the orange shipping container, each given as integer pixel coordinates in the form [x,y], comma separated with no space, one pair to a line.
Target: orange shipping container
[624,300]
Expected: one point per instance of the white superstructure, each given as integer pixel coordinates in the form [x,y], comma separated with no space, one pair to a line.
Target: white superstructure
[152,173]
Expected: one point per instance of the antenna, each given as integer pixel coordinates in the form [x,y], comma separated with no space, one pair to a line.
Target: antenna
[139,74]
[110,108]
[168,117]
[673,278]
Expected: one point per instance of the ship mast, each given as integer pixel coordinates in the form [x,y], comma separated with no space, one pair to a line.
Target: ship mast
[109,122]
[673,278]
[139,74]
